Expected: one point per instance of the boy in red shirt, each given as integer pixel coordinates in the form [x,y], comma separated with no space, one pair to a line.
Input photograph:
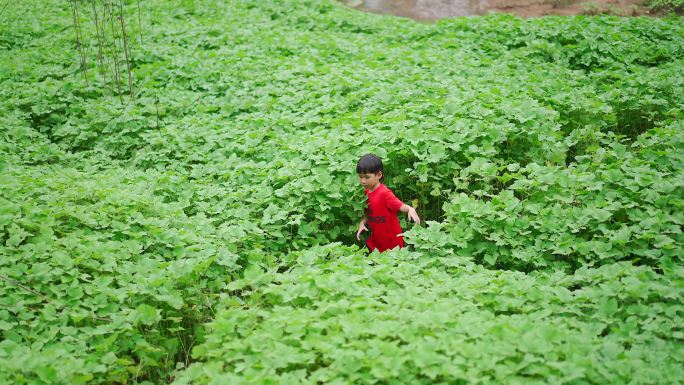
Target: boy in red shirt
[383,205]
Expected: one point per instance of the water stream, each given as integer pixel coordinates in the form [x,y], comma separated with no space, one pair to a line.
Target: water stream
[431,10]
[427,10]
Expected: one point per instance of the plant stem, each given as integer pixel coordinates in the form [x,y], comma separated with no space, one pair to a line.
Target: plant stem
[117,71]
[139,24]
[100,42]
[79,40]
[41,295]
[126,51]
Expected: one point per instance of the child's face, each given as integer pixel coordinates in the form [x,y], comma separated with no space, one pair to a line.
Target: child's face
[370,180]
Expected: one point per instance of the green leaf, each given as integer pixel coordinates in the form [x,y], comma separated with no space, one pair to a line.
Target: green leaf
[146,314]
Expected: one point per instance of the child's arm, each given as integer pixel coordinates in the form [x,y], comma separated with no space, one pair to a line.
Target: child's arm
[393,203]
[412,214]
[362,227]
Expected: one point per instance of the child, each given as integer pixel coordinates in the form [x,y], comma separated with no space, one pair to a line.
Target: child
[381,213]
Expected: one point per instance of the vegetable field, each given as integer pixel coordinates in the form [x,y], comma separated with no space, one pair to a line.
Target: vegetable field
[186,214]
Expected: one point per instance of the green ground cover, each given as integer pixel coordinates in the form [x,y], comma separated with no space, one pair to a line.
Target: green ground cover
[206,233]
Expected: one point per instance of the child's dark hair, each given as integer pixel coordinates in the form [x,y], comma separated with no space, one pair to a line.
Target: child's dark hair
[370,163]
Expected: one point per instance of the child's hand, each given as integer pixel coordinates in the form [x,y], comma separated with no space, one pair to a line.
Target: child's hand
[362,227]
[412,214]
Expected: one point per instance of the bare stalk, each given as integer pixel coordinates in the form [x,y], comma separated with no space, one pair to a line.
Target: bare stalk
[83,50]
[42,296]
[117,71]
[4,6]
[140,31]
[103,33]
[126,51]
[100,42]
[79,40]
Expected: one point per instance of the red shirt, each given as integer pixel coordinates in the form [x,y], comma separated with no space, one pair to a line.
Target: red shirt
[382,219]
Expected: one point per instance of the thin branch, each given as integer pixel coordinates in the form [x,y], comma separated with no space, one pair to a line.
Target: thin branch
[192,103]
[126,51]
[140,31]
[100,42]
[103,33]
[43,296]
[156,103]
[117,71]
[15,283]
[83,48]
[4,7]
[120,112]
[79,39]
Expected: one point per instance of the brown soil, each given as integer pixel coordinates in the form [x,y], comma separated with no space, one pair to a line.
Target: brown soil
[430,10]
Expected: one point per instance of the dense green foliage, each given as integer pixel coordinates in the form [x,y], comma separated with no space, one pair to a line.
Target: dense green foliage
[336,317]
[205,233]
[666,5]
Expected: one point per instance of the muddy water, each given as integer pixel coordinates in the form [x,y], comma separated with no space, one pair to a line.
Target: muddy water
[430,10]
[425,9]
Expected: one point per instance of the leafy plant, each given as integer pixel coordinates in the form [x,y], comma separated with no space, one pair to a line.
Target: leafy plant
[206,232]
[666,5]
